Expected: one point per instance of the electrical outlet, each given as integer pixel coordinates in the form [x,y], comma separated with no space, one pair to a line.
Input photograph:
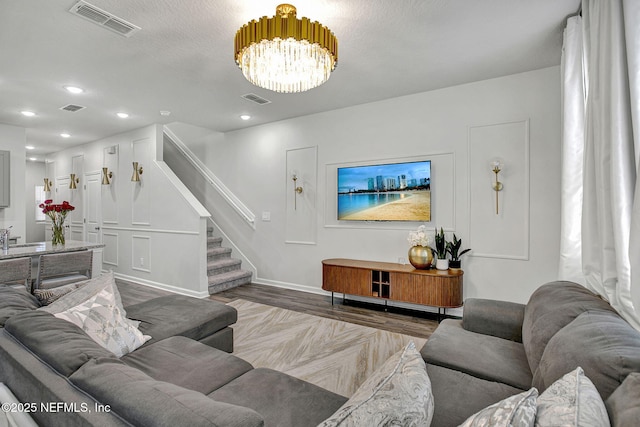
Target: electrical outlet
[141,262]
[266,216]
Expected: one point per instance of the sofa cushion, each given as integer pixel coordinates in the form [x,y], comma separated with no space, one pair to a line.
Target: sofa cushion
[397,393]
[15,300]
[624,404]
[458,395]
[515,411]
[282,400]
[572,401]
[550,308]
[600,342]
[60,344]
[494,359]
[187,363]
[143,401]
[172,315]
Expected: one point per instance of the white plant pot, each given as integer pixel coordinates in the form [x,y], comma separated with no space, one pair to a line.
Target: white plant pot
[442,264]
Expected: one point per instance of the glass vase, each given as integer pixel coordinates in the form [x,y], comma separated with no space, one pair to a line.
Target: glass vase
[58,235]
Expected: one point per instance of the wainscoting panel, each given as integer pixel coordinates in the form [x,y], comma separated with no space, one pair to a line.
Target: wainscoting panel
[110,254]
[503,233]
[140,253]
[110,159]
[141,203]
[301,207]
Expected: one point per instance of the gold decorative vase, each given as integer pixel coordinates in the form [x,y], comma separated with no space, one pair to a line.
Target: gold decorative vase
[420,257]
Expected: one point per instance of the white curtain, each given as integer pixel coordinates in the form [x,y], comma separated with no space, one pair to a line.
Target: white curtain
[601,153]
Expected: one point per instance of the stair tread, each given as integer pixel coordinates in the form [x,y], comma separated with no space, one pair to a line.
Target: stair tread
[229,276]
[223,262]
[214,239]
[218,250]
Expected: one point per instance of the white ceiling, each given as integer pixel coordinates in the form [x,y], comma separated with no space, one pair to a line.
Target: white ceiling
[182,59]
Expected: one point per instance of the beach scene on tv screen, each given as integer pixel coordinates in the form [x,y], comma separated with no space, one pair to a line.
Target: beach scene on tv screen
[387,192]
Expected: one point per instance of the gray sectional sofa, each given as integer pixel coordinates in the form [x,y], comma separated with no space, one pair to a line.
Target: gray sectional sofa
[500,349]
[183,376]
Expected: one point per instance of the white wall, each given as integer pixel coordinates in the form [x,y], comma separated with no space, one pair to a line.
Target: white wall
[253,163]
[35,231]
[13,138]
[152,233]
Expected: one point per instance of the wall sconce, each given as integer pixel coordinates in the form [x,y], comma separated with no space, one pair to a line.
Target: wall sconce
[73,181]
[106,175]
[137,171]
[296,190]
[47,185]
[496,167]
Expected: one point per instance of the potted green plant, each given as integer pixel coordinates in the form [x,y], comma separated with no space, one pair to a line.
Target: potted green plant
[442,263]
[454,250]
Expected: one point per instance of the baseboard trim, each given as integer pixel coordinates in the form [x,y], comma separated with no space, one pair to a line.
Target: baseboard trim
[162,286]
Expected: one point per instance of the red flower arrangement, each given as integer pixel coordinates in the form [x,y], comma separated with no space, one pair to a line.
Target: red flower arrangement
[57,214]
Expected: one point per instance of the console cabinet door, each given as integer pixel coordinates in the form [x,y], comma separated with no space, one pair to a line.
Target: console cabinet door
[5,183]
[347,280]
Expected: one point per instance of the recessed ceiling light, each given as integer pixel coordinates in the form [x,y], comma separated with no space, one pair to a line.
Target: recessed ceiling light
[122,115]
[29,147]
[65,135]
[74,89]
[245,117]
[165,113]
[27,113]
[33,159]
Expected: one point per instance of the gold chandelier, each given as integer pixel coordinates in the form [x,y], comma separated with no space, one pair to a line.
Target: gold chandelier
[286,54]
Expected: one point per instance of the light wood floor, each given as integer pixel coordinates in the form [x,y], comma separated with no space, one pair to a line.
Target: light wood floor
[408,322]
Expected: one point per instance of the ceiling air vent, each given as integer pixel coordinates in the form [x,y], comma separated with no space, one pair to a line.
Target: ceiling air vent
[255,98]
[104,19]
[73,108]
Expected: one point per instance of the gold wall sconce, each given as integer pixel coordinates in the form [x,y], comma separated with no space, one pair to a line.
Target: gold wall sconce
[106,176]
[47,185]
[137,171]
[73,181]
[496,168]
[296,189]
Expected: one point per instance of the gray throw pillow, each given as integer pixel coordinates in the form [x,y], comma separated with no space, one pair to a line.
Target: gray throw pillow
[48,296]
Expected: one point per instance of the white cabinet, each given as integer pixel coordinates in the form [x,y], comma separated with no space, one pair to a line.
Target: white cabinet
[5,183]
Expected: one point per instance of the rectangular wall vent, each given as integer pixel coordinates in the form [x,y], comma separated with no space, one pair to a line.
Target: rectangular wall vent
[73,108]
[255,98]
[104,19]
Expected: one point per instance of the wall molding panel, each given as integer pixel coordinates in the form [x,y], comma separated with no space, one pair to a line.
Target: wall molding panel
[504,234]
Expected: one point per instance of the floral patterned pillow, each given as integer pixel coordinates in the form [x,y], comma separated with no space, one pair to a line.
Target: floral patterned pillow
[515,411]
[397,394]
[572,400]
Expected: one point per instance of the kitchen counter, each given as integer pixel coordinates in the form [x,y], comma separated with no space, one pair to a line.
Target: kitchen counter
[41,248]
[34,250]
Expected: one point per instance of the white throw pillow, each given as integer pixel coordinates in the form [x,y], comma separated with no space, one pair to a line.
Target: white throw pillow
[572,400]
[515,411]
[102,319]
[398,393]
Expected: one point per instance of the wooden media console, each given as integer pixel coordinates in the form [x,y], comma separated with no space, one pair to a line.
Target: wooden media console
[391,281]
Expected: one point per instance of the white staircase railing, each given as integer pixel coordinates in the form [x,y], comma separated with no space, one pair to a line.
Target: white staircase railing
[241,209]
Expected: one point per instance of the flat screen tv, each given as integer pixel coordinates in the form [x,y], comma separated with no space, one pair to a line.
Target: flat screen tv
[385,192]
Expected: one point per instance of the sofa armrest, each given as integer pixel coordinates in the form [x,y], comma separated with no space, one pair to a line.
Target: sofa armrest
[500,319]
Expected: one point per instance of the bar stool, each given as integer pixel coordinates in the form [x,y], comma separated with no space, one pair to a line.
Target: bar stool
[16,271]
[63,268]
